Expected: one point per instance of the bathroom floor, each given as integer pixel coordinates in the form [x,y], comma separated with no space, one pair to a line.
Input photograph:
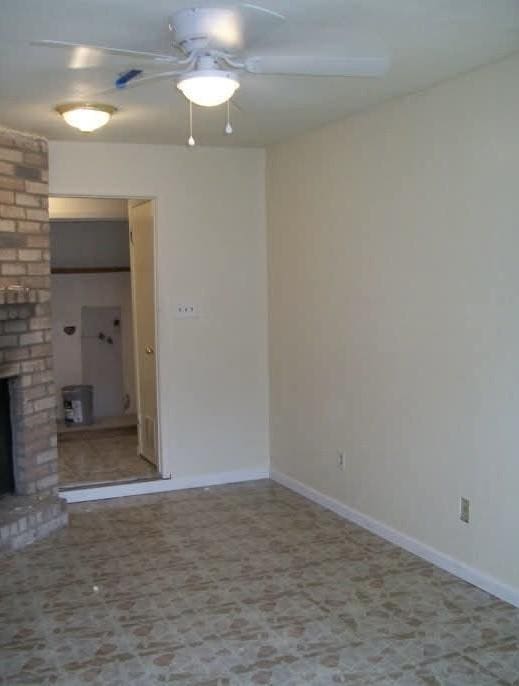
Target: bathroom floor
[101,456]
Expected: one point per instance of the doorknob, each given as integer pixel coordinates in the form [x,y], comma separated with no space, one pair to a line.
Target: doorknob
[149,350]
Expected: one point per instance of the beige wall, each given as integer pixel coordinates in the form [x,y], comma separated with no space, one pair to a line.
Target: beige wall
[394,314]
[211,250]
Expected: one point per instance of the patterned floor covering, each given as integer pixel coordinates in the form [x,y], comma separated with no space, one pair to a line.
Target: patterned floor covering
[238,585]
[109,455]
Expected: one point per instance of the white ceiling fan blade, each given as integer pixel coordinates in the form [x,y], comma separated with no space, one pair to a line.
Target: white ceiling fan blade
[317,66]
[87,56]
[264,10]
[134,83]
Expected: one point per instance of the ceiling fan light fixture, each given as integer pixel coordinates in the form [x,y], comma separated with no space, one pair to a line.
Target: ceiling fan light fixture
[209,88]
[86,118]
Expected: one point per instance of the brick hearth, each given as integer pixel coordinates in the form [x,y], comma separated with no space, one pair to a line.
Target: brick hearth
[35,508]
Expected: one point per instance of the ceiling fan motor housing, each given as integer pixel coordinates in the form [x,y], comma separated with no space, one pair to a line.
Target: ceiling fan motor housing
[202,28]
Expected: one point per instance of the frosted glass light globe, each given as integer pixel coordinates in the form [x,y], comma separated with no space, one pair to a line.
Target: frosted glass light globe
[86,118]
[209,88]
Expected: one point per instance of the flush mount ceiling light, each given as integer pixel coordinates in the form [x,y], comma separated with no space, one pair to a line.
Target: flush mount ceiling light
[86,118]
[209,87]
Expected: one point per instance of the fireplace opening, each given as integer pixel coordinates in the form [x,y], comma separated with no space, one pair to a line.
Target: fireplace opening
[6,441]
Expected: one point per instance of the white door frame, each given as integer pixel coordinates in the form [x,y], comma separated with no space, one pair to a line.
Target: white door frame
[156,294]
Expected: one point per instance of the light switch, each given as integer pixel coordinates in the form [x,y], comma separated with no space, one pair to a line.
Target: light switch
[186,311]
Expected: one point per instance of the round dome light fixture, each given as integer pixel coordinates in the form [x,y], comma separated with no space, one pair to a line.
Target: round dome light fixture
[209,87]
[86,118]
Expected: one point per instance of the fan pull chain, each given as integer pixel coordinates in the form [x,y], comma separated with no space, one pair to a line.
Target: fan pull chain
[228,126]
[191,140]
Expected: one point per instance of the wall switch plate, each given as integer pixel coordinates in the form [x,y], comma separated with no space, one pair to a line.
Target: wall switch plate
[340,461]
[186,311]
[465,510]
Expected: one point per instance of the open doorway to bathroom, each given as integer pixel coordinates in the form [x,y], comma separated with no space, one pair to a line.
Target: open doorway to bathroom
[103,312]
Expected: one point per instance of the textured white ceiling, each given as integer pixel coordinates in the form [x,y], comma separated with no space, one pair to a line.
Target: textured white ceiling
[427,40]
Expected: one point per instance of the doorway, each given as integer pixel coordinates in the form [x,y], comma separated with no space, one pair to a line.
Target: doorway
[103,304]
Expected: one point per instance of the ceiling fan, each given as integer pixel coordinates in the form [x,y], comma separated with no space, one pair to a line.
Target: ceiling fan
[212,46]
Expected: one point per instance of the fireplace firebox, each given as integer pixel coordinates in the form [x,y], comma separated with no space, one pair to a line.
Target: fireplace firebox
[6,441]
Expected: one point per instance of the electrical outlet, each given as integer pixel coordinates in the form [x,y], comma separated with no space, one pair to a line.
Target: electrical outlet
[465,510]
[340,461]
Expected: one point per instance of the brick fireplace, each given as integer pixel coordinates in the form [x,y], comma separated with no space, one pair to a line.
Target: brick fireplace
[30,506]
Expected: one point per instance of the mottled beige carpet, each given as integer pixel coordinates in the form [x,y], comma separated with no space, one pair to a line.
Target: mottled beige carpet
[237,585]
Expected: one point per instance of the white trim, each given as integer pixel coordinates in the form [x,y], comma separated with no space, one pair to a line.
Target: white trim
[79,495]
[505,592]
